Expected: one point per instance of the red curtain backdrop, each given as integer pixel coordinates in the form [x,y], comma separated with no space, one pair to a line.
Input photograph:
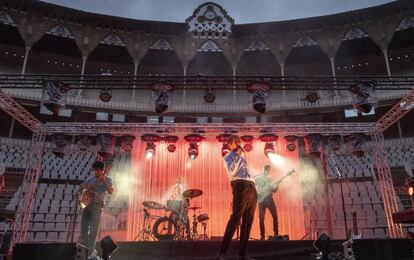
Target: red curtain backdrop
[153,179]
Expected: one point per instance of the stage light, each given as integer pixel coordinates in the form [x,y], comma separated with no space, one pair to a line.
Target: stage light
[209,97]
[193,151]
[222,138]
[127,143]
[290,146]
[193,139]
[106,143]
[60,142]
[105,95]
[171,148]
[248,140]
[171,140]
[150,150]
[268,139]
[312,97]
[54,95]
[269,149]
[260,91]
[312,143]
[364,95]
[410,191]
[150,139]
[357,142]
[85,142]
[108,247]
[225,149]
[335,142]
[276,159]
[161,90]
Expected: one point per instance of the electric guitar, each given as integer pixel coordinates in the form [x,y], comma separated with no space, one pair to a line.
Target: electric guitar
[268,188]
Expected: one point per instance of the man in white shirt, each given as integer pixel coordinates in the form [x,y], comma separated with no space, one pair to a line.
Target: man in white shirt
[244,198]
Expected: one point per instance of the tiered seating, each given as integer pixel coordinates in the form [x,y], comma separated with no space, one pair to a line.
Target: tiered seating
[361,196]
[54,207]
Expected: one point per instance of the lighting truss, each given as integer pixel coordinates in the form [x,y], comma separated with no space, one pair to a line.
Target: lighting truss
[33,168]
[396,112]
[299,129]
[34,81]
[19,113]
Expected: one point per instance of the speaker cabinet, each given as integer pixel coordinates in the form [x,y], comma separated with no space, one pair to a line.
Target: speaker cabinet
[378,249]
[49,251]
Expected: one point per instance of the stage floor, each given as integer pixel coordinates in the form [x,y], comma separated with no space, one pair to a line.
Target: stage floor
[286,250]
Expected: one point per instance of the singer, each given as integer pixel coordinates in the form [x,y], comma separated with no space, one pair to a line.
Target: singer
[244,198]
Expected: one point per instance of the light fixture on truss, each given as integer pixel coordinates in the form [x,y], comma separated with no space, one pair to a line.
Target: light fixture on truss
[248,142]
[170,140]
[269,140]
[60,142]
[127,142]
[85,142]
[364,95]
[54,95]
[193,139]
[161,91]
[312,143]
[222,138]
[291,142]
[260,92]
[106,144]
[150,140]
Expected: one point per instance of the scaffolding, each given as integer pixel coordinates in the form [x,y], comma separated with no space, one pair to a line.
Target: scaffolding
[33,167]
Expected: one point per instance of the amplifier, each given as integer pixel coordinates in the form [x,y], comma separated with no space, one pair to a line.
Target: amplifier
[49,251]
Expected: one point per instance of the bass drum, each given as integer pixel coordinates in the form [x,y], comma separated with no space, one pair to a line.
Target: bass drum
[164,228]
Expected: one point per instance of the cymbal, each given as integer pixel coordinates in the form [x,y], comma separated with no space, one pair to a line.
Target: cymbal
[153,205]
[194,208]
[192,193]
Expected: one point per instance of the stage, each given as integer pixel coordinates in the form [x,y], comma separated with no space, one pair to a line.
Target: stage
[363,249]
[145,250]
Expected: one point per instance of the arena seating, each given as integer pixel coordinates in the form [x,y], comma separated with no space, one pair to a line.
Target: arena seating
[54,204]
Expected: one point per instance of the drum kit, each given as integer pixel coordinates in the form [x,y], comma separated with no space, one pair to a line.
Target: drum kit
[175,224]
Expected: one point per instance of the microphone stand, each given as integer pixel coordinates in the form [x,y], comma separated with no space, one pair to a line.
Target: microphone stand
[340,178]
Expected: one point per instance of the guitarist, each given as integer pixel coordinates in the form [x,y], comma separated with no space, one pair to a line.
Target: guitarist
[95,188]
[266,201]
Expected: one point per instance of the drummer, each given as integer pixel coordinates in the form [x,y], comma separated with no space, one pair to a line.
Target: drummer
[177,195]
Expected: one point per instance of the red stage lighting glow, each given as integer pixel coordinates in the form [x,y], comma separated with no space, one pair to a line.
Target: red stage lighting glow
[248,147]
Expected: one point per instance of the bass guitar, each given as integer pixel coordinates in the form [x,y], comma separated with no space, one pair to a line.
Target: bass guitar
[271,187]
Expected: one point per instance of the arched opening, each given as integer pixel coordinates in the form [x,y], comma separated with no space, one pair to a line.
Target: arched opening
[160,62]
[401,52]
[55,54]
[307,61]
[12,49]
[259,63]
[360,56]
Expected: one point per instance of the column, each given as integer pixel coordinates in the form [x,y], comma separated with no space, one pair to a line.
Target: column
[387,62]
[332,60]
[135,78]
[84,58]
[26,57]
[282,73]
[184,74]
[234,68]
